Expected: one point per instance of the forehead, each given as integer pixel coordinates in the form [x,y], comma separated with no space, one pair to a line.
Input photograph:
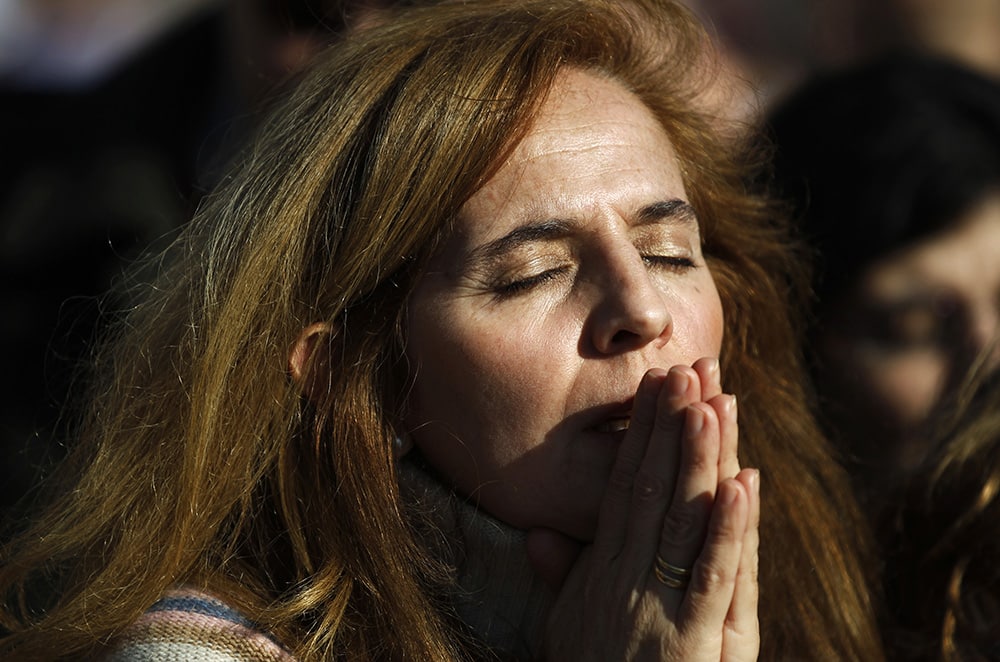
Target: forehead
[593,146]
[964,257]
[589,105]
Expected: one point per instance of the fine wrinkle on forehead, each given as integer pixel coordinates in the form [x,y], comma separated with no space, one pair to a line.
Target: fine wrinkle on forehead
[578,92]
[593,149]
[586,134]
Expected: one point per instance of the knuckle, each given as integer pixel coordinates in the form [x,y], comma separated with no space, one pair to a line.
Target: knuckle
[754,569]
[723,532]
[700,452]
[682,525]
[621,480]
[667,427]
[698,460]
[743,641]
[747,578]
[710,578]
[648,486]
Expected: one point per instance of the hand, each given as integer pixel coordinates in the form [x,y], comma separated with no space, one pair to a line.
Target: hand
[676,494]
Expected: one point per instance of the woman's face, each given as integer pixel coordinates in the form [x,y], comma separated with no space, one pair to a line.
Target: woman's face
[573,271]
[903,339]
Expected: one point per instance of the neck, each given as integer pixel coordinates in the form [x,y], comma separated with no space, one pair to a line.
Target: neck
[496,592]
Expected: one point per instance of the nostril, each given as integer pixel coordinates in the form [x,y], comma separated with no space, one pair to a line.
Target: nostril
[623,336]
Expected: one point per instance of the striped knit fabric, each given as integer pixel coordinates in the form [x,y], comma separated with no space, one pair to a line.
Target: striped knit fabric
[188,625]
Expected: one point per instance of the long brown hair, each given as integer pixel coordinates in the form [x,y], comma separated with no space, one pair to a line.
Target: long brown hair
[202,464]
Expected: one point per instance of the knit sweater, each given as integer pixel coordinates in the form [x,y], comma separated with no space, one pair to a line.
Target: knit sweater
[496,592]
[185,625]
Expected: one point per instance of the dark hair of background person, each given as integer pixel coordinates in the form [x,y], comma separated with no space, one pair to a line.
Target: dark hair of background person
[883,154]
[942,550]
[873,159]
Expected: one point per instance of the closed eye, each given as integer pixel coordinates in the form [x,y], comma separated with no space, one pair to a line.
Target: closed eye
[512,288]
[670,262]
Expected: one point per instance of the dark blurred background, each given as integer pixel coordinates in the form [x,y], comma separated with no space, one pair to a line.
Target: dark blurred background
[115,118]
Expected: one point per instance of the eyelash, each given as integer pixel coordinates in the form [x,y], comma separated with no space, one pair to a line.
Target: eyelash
[510,289]
[673,263]
[515,287]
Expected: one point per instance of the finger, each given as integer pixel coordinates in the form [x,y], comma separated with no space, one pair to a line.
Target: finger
[656,479]
[707,600]
[725,406]
[551,555]
[612,521]
[710,376]
[726,411]
[686,521]
[741,636]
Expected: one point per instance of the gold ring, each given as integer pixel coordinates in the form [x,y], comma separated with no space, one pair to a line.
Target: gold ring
[670,575]
[671,568]
[670,582]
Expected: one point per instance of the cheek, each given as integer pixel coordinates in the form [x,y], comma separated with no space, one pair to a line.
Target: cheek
[457,348]
[909,384]
[902,387]
[698,322]
[483,402]
[480,377]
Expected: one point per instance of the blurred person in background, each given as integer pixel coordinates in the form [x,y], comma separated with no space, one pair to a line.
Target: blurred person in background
[774,45]
[893,168]
[966,30]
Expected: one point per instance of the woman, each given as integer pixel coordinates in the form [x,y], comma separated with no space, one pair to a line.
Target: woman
[508,235]
[894,168]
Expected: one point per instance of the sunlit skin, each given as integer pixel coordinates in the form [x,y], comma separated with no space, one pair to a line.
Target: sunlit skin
[911,329]
[575,270]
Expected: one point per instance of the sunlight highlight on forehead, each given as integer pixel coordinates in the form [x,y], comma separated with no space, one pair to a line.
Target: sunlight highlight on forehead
[599,101]
[585,114]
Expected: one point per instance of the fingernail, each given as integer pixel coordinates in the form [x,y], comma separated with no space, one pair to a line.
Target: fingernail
[713,369]
[678,384]
[727,496]
[755,481]
[649,388]
[653,379]
[731,405]
[695,420]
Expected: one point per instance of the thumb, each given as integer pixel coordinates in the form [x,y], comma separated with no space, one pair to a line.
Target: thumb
[552,555]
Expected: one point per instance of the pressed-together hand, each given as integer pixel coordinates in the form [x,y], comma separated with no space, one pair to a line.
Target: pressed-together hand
[672,571]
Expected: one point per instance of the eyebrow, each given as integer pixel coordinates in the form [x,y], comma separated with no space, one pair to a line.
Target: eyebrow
[671,211]
[548,230]
[665,211]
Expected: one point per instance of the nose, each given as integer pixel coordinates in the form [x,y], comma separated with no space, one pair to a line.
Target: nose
[631,311]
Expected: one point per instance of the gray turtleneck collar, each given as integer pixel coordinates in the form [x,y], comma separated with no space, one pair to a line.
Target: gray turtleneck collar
[498,595]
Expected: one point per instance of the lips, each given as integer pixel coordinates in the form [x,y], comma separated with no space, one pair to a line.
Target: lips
[615,424]
[612,417]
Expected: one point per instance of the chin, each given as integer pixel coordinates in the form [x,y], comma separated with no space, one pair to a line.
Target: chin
[580,526]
